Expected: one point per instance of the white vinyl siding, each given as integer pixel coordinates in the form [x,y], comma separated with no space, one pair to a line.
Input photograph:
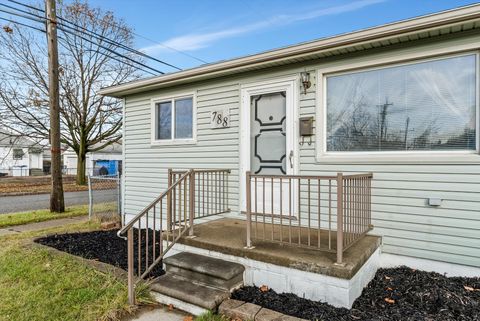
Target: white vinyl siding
[146,165]
[449,233]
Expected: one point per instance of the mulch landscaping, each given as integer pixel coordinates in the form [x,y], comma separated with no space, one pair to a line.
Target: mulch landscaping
[106,247]
[394,294]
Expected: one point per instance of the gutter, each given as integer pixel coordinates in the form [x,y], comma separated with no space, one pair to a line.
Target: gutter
[405,27]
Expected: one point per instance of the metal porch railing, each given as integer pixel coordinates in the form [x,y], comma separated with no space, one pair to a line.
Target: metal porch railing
[156,229]
[210,190]
[327,213]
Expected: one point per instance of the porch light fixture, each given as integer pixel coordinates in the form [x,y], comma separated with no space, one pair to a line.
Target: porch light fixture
[305,81]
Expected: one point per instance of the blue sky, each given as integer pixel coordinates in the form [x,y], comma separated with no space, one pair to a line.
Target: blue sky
[214,30]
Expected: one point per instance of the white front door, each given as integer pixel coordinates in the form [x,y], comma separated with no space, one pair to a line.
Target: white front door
[267,147]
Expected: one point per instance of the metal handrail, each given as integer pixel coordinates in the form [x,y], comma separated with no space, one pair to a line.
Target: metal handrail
[152,204]
[206,170]
[182,198]
[211,196]
[324,177]
[337,207]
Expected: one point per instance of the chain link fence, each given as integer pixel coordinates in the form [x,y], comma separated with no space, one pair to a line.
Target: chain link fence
[104,195]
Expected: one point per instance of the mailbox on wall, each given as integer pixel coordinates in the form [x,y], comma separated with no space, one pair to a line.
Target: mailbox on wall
[306,129]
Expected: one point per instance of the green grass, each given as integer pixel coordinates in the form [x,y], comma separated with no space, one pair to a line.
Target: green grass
[210,316]
[12,219]
[39,284]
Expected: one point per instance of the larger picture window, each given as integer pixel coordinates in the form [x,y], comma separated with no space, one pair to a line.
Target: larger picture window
[422,106]
[174,119]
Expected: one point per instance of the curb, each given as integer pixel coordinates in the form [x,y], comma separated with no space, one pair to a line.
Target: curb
[240,310]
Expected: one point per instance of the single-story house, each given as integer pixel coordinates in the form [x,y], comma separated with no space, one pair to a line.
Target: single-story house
[106,161]
[352,152]
[20,156]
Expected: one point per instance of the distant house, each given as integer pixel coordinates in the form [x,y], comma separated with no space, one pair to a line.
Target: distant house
[20,156]
[107,161]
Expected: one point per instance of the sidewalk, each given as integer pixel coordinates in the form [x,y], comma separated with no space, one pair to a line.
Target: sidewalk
[160,313]
[41,225]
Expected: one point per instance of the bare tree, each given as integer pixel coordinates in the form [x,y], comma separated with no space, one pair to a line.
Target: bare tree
[89,121]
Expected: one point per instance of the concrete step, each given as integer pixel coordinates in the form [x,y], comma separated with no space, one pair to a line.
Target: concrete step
[36,172]
[206,270]
[184,290]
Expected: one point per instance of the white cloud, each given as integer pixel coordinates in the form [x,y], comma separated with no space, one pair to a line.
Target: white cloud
[195,41]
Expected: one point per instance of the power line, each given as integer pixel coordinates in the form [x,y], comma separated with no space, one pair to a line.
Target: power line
[110,50]
[116,25]
[133,32]
[92,34]
[111,57]
[22,24]
[88,40]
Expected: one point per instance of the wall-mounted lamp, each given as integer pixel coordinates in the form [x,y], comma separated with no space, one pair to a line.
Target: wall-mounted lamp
[305,81]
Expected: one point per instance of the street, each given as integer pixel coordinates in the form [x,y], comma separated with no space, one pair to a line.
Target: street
[11,204]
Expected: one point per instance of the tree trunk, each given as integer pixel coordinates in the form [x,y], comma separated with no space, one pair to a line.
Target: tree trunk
[81,169]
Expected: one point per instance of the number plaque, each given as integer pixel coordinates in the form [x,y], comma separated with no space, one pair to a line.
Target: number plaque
[220,118]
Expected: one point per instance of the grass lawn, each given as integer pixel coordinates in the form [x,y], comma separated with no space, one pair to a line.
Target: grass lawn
[39,284]
[36,185]
[209,316]
[12,219]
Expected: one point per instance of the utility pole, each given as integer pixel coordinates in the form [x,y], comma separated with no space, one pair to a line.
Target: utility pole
[383,118]
[57,203]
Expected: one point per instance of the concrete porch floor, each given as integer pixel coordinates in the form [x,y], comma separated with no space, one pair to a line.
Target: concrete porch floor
[228,236]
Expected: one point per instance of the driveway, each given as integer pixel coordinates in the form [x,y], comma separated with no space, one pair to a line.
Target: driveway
[11,204]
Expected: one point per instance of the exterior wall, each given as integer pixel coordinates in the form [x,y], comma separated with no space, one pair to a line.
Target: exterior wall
[147,165]
[36,160]
[19,167]
[449,233]
[70,160]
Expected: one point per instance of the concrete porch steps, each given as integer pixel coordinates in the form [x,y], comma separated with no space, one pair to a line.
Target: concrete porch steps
[194,282]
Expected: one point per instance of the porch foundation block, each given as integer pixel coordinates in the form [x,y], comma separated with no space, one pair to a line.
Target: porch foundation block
[301,276]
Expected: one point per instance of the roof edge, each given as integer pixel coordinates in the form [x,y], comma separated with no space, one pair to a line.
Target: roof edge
[391,29]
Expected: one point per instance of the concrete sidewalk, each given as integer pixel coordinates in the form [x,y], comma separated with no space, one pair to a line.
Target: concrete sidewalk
[41,225]
[160,313]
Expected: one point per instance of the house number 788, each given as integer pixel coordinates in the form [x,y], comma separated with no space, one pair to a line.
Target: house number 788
[220,119]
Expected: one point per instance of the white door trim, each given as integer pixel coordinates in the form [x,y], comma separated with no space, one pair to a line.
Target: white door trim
[289,85]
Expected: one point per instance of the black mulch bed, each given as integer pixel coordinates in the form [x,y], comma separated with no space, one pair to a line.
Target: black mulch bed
[413,295]
[104,246]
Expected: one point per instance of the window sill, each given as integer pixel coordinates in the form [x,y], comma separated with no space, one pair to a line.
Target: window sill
[410,158]
[155,143]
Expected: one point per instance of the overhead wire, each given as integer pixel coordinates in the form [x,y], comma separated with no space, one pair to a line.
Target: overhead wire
[43,31]
[105,38]
[41,19]
[135,33]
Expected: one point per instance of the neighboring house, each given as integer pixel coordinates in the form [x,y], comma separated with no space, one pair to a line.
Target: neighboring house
[107,161]
[400,101]
[20,156]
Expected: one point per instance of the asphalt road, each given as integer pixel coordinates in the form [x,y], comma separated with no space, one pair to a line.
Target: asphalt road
[11,204]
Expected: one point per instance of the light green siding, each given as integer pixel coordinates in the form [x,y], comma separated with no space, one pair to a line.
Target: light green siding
[449,233]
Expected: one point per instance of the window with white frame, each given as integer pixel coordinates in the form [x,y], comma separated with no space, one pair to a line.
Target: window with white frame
[428,105]
[174,119]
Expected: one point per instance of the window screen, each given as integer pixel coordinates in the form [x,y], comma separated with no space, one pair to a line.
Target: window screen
[420,106]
